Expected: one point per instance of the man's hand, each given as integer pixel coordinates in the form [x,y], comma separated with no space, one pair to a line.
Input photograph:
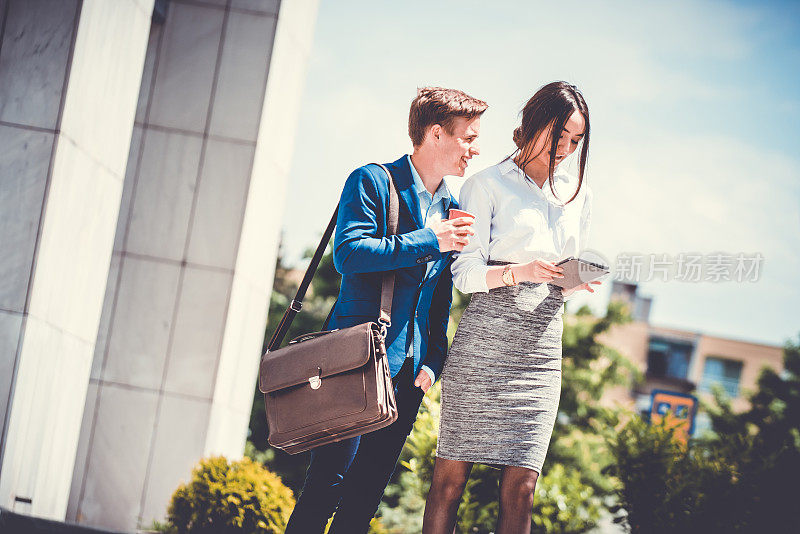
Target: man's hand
[586,286]
[453,234]
[423,381]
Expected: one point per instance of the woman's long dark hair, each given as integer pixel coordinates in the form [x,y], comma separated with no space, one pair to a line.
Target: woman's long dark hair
[551,106]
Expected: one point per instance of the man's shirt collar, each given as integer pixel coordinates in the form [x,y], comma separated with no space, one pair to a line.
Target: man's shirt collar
[441,193]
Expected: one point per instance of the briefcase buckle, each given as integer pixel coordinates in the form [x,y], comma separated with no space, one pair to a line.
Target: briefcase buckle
[316,381]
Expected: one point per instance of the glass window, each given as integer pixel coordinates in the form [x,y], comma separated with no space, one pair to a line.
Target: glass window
[721,371]
[643,403]
[667,358]
[702,424]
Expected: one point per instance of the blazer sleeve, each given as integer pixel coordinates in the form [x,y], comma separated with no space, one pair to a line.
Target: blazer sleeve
[358,243]
[438,319]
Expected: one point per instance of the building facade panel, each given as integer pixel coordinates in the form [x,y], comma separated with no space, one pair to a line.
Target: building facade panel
[108,491]
[162,194]
[24,167]
[180,433]
[186,68]
[34,60]
[65,68]
[243,77]
[219,204]
[142,323]
[199,325]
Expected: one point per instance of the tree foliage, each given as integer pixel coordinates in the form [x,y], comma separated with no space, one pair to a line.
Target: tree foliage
[741,478]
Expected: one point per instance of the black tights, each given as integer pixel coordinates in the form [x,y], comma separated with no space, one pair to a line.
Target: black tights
[449,479]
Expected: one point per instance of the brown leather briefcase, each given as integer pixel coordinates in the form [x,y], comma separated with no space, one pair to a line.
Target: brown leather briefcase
[327,386]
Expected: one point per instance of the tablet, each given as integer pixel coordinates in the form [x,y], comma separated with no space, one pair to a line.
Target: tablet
[578,271]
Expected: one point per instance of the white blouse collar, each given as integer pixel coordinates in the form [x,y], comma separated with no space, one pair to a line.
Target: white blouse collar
[508,166]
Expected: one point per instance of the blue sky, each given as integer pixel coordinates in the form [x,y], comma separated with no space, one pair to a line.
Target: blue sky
[694,109]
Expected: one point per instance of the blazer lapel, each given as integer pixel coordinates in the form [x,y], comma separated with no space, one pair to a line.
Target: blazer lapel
[405,187]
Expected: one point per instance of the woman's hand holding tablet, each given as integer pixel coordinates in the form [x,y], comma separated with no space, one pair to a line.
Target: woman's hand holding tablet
[579,274]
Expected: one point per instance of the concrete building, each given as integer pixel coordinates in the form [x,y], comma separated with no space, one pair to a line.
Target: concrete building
[144,162]
[683,361]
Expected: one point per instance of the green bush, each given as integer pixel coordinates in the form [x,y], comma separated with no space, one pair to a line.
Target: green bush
[227,497]
[563,503]
[667,486]
[737,479]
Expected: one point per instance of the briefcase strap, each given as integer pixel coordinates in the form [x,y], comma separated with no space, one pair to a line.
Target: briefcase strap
[387,288]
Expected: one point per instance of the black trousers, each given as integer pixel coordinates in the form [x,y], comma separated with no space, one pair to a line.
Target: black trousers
[350,476]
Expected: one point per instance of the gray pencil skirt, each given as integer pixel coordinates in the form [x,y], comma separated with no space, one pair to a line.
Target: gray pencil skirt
[501,381]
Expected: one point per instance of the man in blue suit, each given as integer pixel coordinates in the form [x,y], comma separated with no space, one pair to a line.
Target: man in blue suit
[349,476]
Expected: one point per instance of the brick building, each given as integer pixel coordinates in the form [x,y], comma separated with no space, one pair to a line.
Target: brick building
[682,360]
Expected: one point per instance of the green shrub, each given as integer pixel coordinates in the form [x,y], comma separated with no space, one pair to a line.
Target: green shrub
[667,487]
[738,478]
[563,503]
[223,497]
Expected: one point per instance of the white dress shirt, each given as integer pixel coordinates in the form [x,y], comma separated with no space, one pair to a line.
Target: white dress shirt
[516,221]
[432,211]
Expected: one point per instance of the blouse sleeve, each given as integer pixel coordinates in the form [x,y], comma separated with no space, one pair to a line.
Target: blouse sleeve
[470,266]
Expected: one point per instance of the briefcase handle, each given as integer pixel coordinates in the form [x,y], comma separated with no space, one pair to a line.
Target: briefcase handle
[387,287]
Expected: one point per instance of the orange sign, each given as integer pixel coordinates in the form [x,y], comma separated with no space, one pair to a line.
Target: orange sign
[678,408]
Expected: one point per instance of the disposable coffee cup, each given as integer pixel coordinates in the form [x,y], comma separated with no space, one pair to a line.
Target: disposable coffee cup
[455,214]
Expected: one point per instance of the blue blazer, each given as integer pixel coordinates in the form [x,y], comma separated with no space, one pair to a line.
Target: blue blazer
[362,253]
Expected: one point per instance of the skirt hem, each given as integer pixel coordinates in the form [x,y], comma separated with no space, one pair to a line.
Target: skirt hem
[492,461]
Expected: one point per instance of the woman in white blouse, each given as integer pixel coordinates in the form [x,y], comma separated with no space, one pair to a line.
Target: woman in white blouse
[502,378]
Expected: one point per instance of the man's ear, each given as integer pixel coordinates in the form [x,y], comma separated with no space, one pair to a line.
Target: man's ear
[436,131]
